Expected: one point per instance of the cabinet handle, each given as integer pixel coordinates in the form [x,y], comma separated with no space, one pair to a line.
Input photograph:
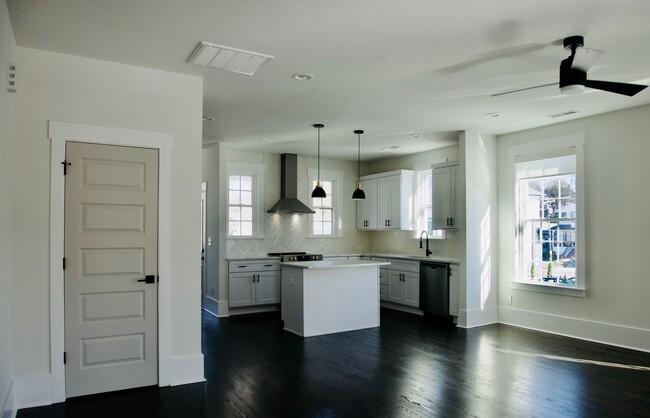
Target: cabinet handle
[268,265]
[452,221]
[447,221]
[241,267]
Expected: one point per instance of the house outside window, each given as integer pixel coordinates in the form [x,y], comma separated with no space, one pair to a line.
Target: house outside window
[325,222]
[245,197]
[240,206]
[548,200]
[424,209]
[323,219]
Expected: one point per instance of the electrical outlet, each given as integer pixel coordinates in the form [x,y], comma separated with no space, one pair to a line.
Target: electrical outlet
[509,299]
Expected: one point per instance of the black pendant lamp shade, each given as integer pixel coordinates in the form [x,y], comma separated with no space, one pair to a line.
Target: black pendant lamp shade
[318,190]
[358,194]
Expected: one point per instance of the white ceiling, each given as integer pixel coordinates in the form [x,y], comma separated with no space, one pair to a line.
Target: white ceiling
[386,66]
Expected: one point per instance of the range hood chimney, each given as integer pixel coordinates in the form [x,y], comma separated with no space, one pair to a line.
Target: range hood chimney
[289,202]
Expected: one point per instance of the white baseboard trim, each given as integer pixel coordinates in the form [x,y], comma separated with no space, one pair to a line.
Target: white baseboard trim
[222,308]
[211,305]
[252,309]
[599,332]
[186,369]
[401,308]
[33,390]
[9,409]
[477,317]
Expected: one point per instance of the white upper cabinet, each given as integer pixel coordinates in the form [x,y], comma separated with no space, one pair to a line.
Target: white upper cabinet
[388,203]
[446,195]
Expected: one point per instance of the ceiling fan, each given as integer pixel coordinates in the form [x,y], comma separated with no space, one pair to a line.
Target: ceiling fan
[573,72]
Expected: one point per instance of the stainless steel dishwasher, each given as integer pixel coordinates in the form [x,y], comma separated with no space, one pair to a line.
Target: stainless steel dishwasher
[434,288]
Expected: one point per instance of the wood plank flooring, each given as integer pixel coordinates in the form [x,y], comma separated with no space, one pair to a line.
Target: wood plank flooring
[408,367]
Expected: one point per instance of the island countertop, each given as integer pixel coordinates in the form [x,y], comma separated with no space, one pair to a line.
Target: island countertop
[328,264]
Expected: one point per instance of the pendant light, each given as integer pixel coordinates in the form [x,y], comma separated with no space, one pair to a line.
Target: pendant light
[358,194]
[318,190]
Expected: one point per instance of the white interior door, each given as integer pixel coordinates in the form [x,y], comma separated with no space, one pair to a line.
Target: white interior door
[111,244]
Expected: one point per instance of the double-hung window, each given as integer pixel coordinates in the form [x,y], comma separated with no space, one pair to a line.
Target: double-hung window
[324,223]
[548,208]
[424,206]
[244,200]
[323,219]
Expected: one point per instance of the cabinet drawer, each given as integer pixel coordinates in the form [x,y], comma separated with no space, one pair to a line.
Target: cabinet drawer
[404,265]
[253,265]
[383,276]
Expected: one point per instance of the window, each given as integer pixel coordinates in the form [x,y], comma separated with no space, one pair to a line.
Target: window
[322,220]
[240,206]
[547,210]
[245,198]
[324,223]
[424,215]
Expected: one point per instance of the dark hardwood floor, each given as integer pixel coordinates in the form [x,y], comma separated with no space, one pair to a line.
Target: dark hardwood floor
[408,367]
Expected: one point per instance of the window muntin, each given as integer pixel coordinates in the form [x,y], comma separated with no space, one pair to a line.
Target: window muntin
[323,219]
[547,219]
[240,206]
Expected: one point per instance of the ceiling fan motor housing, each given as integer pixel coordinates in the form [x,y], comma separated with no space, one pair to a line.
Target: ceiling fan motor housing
[571,76]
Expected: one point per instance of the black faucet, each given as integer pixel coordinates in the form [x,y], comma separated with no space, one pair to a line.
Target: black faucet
[428,252]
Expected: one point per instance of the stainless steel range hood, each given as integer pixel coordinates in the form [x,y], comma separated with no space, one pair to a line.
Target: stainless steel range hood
[289,202]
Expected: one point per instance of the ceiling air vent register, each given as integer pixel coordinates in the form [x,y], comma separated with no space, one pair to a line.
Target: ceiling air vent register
[230,59]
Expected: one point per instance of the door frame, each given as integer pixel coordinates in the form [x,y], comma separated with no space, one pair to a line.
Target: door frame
[59,133]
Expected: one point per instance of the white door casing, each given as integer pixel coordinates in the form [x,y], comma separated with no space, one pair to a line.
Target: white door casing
[111,245]
[59,133]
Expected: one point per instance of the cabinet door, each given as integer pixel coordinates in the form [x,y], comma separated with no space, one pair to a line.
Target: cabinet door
[384,204]
[367,208]
[455,197]
[411,289]
[394,202]
[441,197]
[268,288]
[241,289]
[395,287]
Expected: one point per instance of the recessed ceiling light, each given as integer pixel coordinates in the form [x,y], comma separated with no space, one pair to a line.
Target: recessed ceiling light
[207,119]
[265,141]
[415,135]
[493,115]
[228,58]
[389,148]
[302,77]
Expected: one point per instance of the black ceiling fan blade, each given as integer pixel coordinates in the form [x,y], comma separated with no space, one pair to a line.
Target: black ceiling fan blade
[613,87]
[522,89]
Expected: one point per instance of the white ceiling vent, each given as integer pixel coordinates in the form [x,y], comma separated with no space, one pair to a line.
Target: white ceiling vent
[229,59]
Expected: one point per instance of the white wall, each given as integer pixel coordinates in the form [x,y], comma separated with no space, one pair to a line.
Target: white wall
[73,89]
[7,100]
[403,242]
[478,267]
[615,309]
[211,177]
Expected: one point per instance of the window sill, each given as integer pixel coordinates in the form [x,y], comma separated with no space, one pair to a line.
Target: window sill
[550,289]
[322,236]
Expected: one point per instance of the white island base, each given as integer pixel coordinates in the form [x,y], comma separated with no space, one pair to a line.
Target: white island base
[325,297]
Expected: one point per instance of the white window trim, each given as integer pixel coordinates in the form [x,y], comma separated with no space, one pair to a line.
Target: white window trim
[419,217]
[257,171]
[335,176]
[539,150]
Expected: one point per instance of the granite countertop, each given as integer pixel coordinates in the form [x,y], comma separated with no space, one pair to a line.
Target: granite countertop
[328,264]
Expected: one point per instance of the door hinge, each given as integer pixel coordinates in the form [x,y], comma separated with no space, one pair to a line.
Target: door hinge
[65,357]
[65,166]
[63,263]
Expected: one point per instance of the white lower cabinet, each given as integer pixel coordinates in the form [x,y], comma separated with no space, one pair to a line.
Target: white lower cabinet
[253,282]
[454,289]
[403,282]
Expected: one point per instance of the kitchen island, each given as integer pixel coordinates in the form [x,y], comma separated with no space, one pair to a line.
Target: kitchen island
[325,297]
